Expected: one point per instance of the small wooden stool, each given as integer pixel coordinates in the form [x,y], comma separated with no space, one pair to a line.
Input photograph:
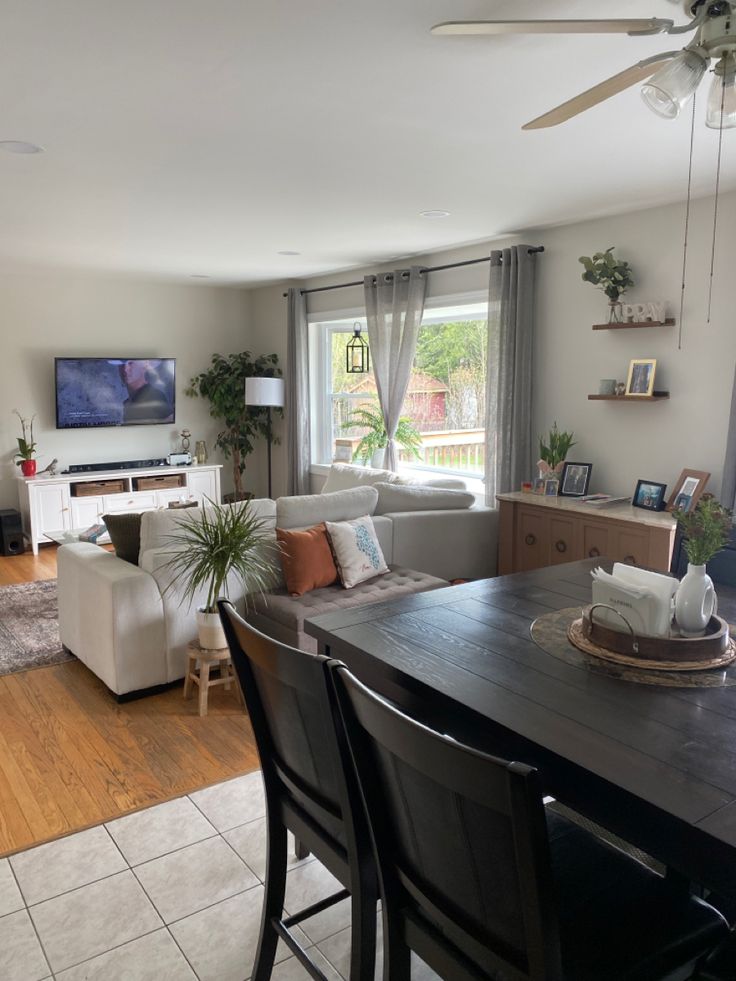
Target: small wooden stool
[208,659]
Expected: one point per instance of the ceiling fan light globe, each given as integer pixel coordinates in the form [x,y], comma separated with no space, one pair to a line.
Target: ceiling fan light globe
[669,89]
[717,96]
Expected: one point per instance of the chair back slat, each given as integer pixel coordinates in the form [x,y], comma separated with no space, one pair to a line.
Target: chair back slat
[460,839]
[288,700]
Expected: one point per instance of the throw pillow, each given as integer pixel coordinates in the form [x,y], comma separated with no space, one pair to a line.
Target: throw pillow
[358,555]
[306,559]
[419,497]
[125,535]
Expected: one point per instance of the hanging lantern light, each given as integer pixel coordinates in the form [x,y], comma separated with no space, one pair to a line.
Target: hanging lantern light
[358,358]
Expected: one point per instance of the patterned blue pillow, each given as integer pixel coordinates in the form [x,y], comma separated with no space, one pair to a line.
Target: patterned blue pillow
[358,555]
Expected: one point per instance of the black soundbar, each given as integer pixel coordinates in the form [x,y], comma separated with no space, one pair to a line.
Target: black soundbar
[125,465]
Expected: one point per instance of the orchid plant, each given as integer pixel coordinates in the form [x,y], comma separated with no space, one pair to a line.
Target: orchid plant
[26,444]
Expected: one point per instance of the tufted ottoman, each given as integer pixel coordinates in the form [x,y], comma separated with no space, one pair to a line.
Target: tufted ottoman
[282,616]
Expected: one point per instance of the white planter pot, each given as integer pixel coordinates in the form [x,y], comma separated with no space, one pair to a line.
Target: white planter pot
[378,459]
[211,634]
[694,601]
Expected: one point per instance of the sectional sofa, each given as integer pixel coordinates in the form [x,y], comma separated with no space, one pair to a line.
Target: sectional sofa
[122,622]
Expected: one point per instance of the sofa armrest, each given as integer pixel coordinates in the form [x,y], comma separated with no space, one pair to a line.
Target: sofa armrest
[457,544]
[111,617]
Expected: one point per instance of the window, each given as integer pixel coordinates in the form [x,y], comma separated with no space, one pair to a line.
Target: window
[445,402]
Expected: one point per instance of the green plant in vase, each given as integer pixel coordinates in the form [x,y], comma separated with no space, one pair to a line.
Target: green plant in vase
[707,529]
[407,435]
[553,452]
[211,546]
[609,274]
[25,457]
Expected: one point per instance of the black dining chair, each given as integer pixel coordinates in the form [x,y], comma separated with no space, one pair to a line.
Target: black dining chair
[481,883]
[310,790]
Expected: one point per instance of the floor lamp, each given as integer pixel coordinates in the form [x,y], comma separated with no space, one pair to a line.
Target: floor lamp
[268,393]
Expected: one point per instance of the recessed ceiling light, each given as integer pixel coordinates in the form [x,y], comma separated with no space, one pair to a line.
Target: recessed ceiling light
[19,146]
[287,252]
[434,214]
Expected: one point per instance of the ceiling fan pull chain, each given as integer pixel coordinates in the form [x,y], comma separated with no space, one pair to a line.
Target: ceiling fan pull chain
[687,224]
[715,205]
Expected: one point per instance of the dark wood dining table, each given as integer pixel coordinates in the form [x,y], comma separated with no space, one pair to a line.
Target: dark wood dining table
[655,765]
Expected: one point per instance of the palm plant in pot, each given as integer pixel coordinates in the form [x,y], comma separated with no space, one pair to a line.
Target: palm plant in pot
[373,443]
[212,548]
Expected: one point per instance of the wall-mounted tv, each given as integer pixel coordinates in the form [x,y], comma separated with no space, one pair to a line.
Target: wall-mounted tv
[93,392]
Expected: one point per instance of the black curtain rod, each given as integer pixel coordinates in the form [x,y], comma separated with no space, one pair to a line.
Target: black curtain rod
[424,269]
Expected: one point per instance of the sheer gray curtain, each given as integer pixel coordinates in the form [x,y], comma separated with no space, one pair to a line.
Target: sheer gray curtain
[297,394]
[509,456]
[394,304]
[728,487]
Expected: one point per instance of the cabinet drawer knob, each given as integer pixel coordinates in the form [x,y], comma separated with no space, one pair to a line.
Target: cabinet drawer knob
[594,552]
[561,546]
[630,559]
[530,539]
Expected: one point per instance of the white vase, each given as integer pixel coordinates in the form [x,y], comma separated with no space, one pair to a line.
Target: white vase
[378,459]
[694,601]
[209,628]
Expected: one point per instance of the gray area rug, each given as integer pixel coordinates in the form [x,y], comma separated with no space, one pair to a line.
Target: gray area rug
[29,627]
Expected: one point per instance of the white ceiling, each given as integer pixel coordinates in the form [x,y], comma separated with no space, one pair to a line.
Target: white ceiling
[203,136]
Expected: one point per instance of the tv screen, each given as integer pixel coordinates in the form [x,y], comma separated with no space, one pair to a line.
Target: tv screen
[114,392]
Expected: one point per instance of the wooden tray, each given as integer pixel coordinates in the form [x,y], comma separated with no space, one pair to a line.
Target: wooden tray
[715,650]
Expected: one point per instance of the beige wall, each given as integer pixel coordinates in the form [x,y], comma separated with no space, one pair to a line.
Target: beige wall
[623,441]
[49,313]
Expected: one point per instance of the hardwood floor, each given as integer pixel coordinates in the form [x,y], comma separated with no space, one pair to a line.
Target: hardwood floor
[71,757]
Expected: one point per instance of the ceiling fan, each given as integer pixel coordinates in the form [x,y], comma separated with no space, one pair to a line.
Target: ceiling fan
[673,76]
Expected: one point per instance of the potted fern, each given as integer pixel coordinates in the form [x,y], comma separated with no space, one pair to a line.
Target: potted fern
[372,445]
[211,548]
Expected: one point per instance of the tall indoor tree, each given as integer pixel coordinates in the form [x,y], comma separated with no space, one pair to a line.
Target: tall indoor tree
[223,385]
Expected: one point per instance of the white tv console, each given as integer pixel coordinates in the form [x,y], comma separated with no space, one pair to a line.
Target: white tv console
[77,500]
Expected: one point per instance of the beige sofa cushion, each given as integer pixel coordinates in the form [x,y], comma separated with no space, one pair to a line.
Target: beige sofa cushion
[393,498]
[343,476]
[312,509]
[156,526]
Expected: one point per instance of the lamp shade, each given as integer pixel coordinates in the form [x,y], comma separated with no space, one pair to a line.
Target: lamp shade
[668,89]
[264,391]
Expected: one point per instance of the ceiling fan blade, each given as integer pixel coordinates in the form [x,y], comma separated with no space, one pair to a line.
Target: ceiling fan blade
[602,91]
[629,25]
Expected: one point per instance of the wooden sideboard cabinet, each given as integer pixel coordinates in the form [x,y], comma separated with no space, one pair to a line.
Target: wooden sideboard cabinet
[541,531]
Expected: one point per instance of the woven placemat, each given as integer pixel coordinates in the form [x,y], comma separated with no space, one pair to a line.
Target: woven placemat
[550,633]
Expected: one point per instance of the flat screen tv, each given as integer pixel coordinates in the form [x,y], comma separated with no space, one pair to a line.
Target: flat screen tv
[92,392]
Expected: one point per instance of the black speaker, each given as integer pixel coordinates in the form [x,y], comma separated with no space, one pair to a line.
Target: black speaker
[11,533]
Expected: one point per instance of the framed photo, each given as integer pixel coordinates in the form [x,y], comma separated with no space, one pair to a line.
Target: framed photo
[539,485]
[688,488]
[649,495]
[551,487]
[575,479]
[641,376]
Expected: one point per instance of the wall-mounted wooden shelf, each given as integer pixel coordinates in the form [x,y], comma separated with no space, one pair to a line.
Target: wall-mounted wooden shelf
[669,322]
[657,397]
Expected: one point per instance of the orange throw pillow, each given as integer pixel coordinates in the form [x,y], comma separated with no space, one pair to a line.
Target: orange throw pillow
[306,558]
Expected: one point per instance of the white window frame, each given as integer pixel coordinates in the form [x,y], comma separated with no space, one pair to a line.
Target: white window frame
[321,327]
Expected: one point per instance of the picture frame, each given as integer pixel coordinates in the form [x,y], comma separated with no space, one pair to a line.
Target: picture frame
[649,495]
[640,380]
[687,491]
[538,487]
[575,479]
[551,487]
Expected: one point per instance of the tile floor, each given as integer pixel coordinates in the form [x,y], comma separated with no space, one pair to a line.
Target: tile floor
[172,893]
